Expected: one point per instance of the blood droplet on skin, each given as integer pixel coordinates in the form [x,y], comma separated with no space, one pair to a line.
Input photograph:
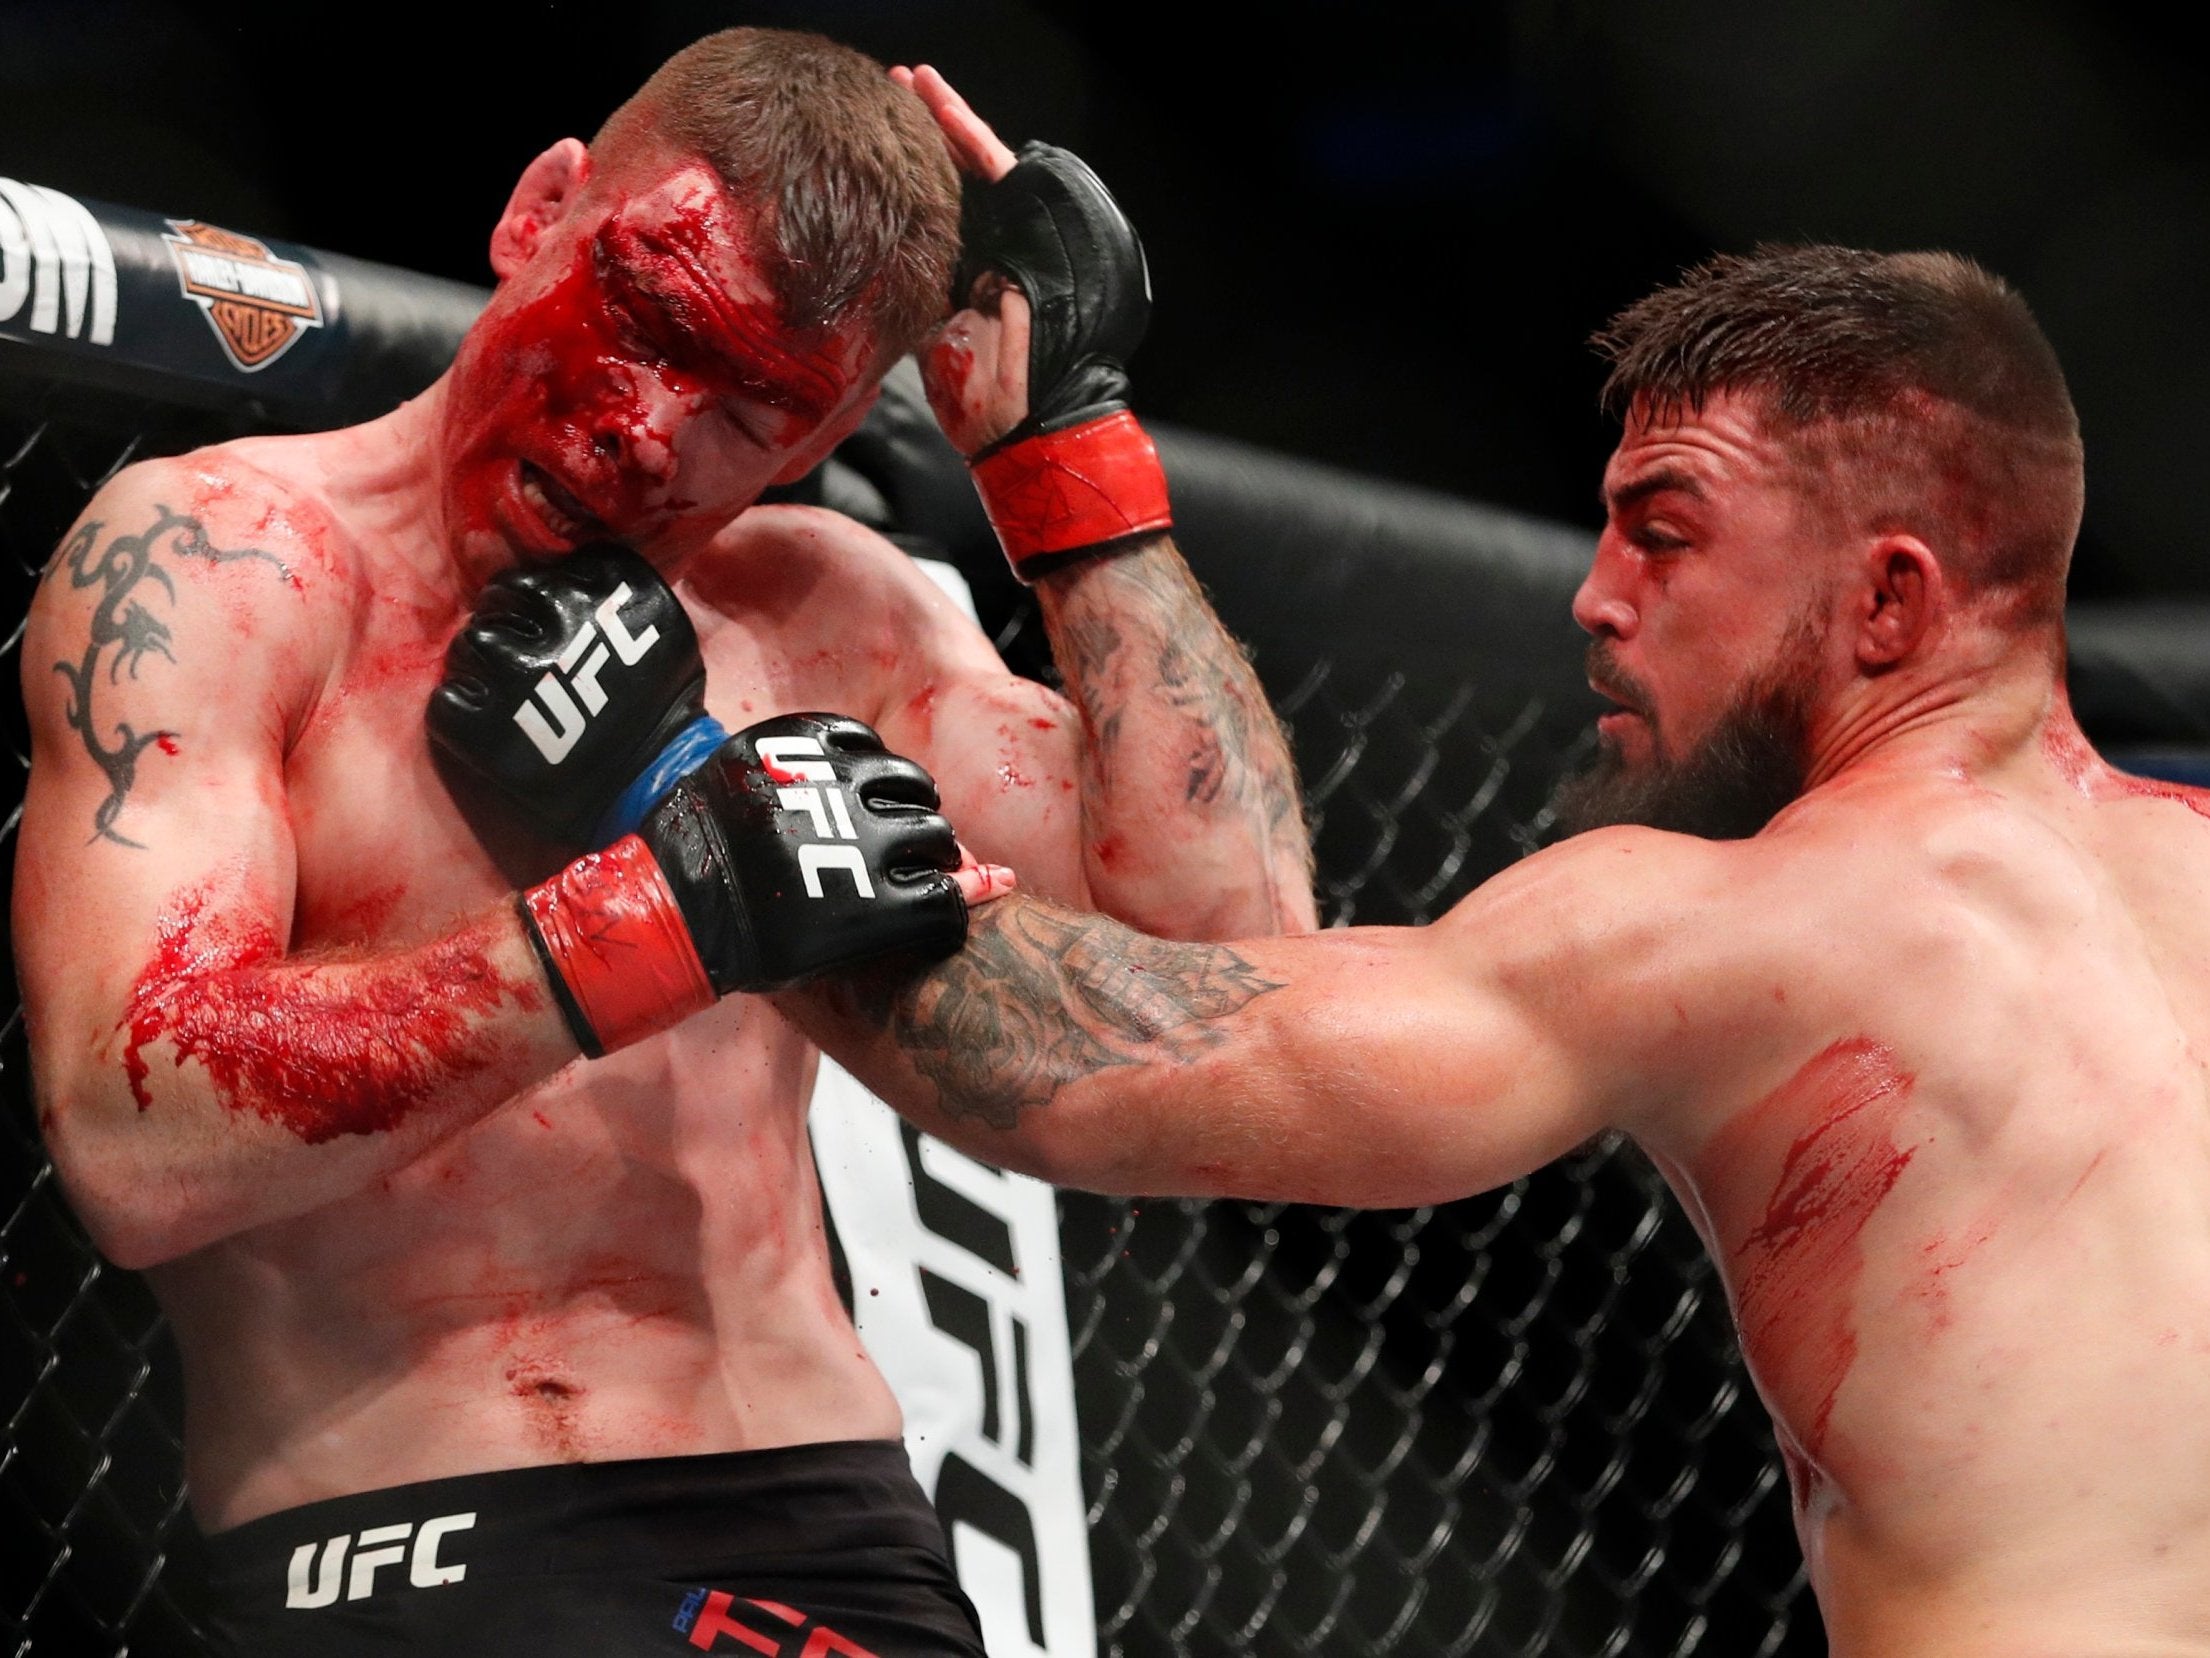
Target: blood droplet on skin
[344,1048]
[1795,1273]
[166,742]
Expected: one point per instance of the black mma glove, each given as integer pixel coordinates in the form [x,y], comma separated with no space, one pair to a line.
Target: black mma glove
[1078,476]
[576,693]
[800,847]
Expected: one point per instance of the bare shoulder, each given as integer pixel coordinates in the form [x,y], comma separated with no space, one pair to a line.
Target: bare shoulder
[803,572]
[1622,891]
[1661,961]
[254,500]
[223,556]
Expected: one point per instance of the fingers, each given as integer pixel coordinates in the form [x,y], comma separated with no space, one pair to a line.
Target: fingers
[1012,353]
[977,149]
[965,375]
[892,783]
[979,882]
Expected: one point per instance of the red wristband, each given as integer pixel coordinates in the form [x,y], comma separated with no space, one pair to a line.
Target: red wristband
[609,931]
[1074,489]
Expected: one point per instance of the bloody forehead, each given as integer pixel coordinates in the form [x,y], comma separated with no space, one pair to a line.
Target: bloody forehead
[670,262]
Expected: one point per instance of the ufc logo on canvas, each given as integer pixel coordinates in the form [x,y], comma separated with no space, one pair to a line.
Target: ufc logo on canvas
[316,1582]
[556,736]
[794,762]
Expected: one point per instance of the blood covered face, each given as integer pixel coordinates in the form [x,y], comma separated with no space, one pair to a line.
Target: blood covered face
[1708,605]
[636,378]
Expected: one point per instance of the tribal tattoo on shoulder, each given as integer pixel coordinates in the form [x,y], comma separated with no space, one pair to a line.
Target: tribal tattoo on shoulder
[123,631]
[1042,997]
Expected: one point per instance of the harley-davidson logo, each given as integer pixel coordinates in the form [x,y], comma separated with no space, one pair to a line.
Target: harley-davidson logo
[257,304]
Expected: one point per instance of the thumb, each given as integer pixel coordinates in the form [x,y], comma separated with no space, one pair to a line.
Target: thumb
[979,882]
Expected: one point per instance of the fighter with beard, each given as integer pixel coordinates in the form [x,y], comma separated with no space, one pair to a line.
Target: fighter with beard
[1904,989]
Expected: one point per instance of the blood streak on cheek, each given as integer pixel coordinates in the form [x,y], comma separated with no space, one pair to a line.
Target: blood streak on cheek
[346,1048]
[1795,1273]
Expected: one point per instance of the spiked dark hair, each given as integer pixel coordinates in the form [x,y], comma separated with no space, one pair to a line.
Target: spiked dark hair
[1921,379]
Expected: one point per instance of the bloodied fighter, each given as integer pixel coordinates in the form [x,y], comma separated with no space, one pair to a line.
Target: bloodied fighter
[1904,989]
[417,808]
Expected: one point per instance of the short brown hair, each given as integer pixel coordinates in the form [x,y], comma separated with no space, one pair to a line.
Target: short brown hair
[850,182]
[1921,378]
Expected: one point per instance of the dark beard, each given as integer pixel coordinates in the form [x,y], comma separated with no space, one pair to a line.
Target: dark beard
[1728,787]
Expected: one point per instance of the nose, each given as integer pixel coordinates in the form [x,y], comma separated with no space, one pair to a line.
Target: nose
[636,427]
[1600,604]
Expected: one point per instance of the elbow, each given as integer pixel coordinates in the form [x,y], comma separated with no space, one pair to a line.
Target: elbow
[135,1216]
[132,1247]
[127,1226]
[1075,1163]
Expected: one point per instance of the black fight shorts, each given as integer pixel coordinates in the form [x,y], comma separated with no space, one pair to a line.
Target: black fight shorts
[804,1551]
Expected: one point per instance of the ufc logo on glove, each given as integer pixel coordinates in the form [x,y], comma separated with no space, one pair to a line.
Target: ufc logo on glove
[793,761]
[556,738]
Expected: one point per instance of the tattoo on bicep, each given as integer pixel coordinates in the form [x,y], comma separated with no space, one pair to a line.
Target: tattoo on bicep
[125,570]
[1238,755]
[1092,644]
[1042,997]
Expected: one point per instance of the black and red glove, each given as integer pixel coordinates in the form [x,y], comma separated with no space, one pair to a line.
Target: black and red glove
[801,847]
[1078,476]
[576,694]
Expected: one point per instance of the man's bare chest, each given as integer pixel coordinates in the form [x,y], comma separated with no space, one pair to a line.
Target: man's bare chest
[393,844]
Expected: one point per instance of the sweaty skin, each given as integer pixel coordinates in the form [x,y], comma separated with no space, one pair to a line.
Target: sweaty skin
[294,1056]
[1927,1062]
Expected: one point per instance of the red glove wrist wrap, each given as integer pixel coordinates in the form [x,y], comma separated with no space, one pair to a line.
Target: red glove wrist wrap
[609,927]
[1074,489]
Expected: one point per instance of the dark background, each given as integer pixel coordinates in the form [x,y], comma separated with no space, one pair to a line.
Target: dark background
[1379,234]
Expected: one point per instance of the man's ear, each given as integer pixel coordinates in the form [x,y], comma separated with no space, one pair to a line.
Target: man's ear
[1904,594]
[828,437]
[547,188]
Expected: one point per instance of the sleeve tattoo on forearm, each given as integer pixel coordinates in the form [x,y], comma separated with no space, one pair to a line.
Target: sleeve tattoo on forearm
[1237,754]
[1042,997]
[128,577]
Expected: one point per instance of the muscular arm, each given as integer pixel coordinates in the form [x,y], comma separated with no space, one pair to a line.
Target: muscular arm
[194,1078]
[1373,1067]
[1191,822]
[1191,825]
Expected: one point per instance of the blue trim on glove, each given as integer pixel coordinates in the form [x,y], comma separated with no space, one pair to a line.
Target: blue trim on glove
[685,754]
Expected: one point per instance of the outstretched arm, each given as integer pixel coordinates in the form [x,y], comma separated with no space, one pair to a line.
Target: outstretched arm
[1191,823]
[1363,1066]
